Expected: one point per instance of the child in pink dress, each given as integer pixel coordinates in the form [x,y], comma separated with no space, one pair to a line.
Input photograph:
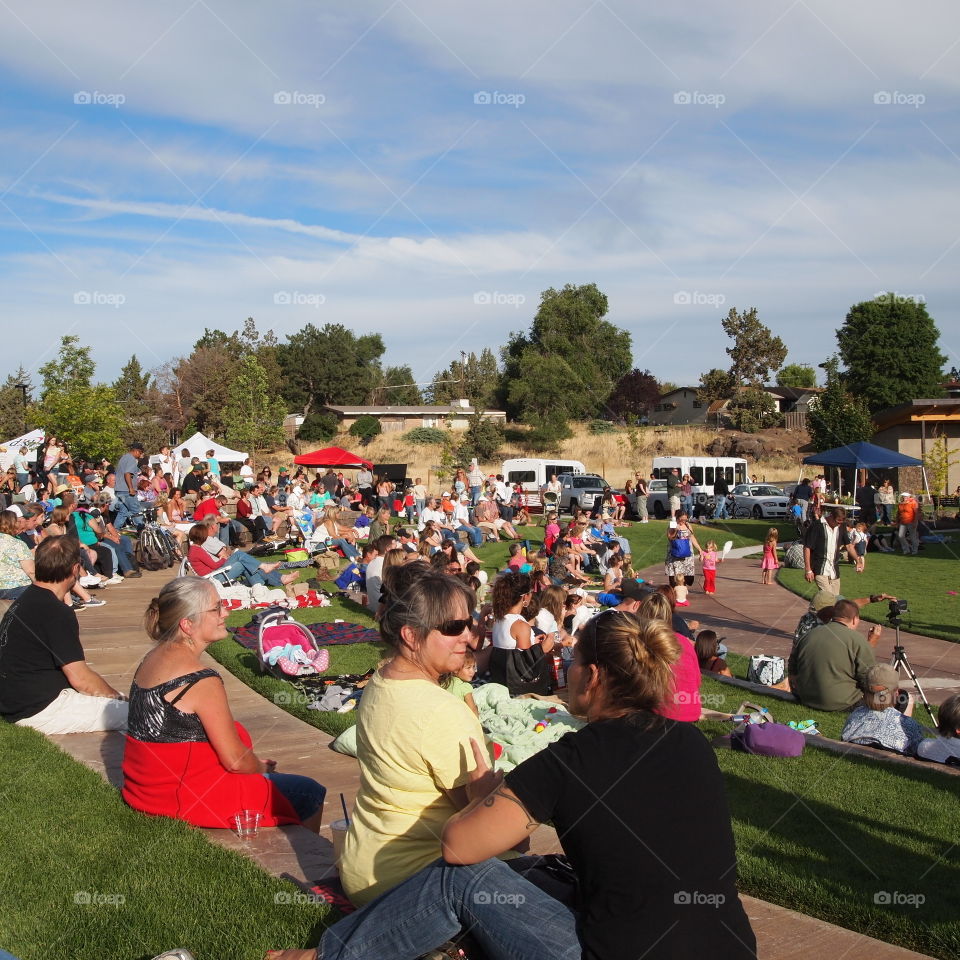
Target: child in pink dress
[770,561]
[709,560]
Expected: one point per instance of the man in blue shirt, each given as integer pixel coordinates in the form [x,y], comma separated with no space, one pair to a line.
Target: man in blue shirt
[128,471]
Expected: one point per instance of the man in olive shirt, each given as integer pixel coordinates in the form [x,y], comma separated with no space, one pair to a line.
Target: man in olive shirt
[828,665]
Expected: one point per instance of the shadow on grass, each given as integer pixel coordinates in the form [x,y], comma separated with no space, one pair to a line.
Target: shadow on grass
[885,872]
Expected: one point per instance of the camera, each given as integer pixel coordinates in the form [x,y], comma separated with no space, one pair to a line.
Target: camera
[896,609]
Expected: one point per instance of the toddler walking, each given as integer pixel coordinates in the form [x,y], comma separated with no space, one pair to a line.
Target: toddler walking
[709,559]
[770,561]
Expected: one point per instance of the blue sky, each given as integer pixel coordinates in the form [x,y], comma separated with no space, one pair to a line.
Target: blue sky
[424,169]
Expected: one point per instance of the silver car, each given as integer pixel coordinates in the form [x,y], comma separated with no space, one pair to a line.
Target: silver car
[759,500]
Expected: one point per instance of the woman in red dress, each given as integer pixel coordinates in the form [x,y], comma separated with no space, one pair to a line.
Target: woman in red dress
[186,757]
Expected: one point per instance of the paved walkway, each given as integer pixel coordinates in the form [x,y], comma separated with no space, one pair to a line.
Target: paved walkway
[114,642]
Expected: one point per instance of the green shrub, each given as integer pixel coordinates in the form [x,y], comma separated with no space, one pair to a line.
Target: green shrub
[318,426]
[482,439]
[600,426]
[426,435]
[366,428]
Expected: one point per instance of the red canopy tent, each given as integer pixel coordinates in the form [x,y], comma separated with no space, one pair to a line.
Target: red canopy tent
[332,457]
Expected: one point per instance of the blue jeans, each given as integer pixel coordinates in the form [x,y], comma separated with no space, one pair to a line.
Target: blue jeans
[720,511]
[243,565]
[304,794]
[686,505]
[122,554]
[349,549]
[474,533]
[128,508]
[507,915]
[475,495]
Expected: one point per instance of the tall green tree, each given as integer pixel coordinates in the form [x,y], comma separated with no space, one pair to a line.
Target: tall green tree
[85,415]
[396,387]
[135,392]
[753,409]
[755,351]
[715,384]
[836,417]
[253,415]
[797,375]
[14,416]
[475,378]
[72,366]
[570,334]
[329,365]
[890,348]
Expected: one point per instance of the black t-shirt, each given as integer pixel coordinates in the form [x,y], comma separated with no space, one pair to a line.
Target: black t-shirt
[38,636]
[721,488]
[639,806]
[192,483]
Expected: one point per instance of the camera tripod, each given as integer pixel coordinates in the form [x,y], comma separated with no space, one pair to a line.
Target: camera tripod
[899,659]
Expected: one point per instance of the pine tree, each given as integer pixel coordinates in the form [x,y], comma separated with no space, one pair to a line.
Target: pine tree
[836,417]
[890,348]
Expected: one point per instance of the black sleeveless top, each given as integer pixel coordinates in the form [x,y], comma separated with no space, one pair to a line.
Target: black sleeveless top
[152,719]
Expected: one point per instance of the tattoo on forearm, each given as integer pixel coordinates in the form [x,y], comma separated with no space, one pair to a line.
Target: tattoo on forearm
[499,792]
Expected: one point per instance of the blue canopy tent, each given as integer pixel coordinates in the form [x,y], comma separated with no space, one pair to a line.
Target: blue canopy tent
[863,456]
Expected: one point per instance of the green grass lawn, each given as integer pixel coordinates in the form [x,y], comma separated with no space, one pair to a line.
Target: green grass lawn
[925,581]
[86,876]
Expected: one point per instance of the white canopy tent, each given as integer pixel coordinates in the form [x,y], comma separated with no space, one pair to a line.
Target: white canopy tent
[32,441]
[198,445]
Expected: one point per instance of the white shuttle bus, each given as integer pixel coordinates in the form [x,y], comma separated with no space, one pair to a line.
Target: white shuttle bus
[704,471]
[532,473]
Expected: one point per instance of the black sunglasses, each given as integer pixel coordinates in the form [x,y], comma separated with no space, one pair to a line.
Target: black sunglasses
[453,628]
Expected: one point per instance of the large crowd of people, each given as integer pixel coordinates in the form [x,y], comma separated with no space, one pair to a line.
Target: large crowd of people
[433,826]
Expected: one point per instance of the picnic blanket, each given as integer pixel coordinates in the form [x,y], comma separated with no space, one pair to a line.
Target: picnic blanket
[520,726]
[327,634]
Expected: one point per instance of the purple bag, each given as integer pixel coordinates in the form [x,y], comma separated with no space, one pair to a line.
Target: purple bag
[768,740]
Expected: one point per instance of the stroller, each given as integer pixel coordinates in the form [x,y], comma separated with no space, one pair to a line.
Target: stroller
[286,648]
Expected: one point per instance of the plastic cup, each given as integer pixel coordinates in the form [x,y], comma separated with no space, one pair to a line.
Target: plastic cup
[246,823]
[338,832]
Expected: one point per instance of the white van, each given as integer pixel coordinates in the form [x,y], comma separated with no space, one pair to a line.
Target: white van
[532,473]
[704,471]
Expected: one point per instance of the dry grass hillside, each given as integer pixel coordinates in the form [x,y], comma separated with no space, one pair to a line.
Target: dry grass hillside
[608,454]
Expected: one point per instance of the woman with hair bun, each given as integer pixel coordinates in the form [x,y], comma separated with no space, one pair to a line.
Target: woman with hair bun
[185,756]
[639,805]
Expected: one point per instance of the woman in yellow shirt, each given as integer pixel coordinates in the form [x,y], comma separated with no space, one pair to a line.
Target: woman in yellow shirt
[413,736]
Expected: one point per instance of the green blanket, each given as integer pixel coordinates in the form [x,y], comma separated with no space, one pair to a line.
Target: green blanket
[511,723]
